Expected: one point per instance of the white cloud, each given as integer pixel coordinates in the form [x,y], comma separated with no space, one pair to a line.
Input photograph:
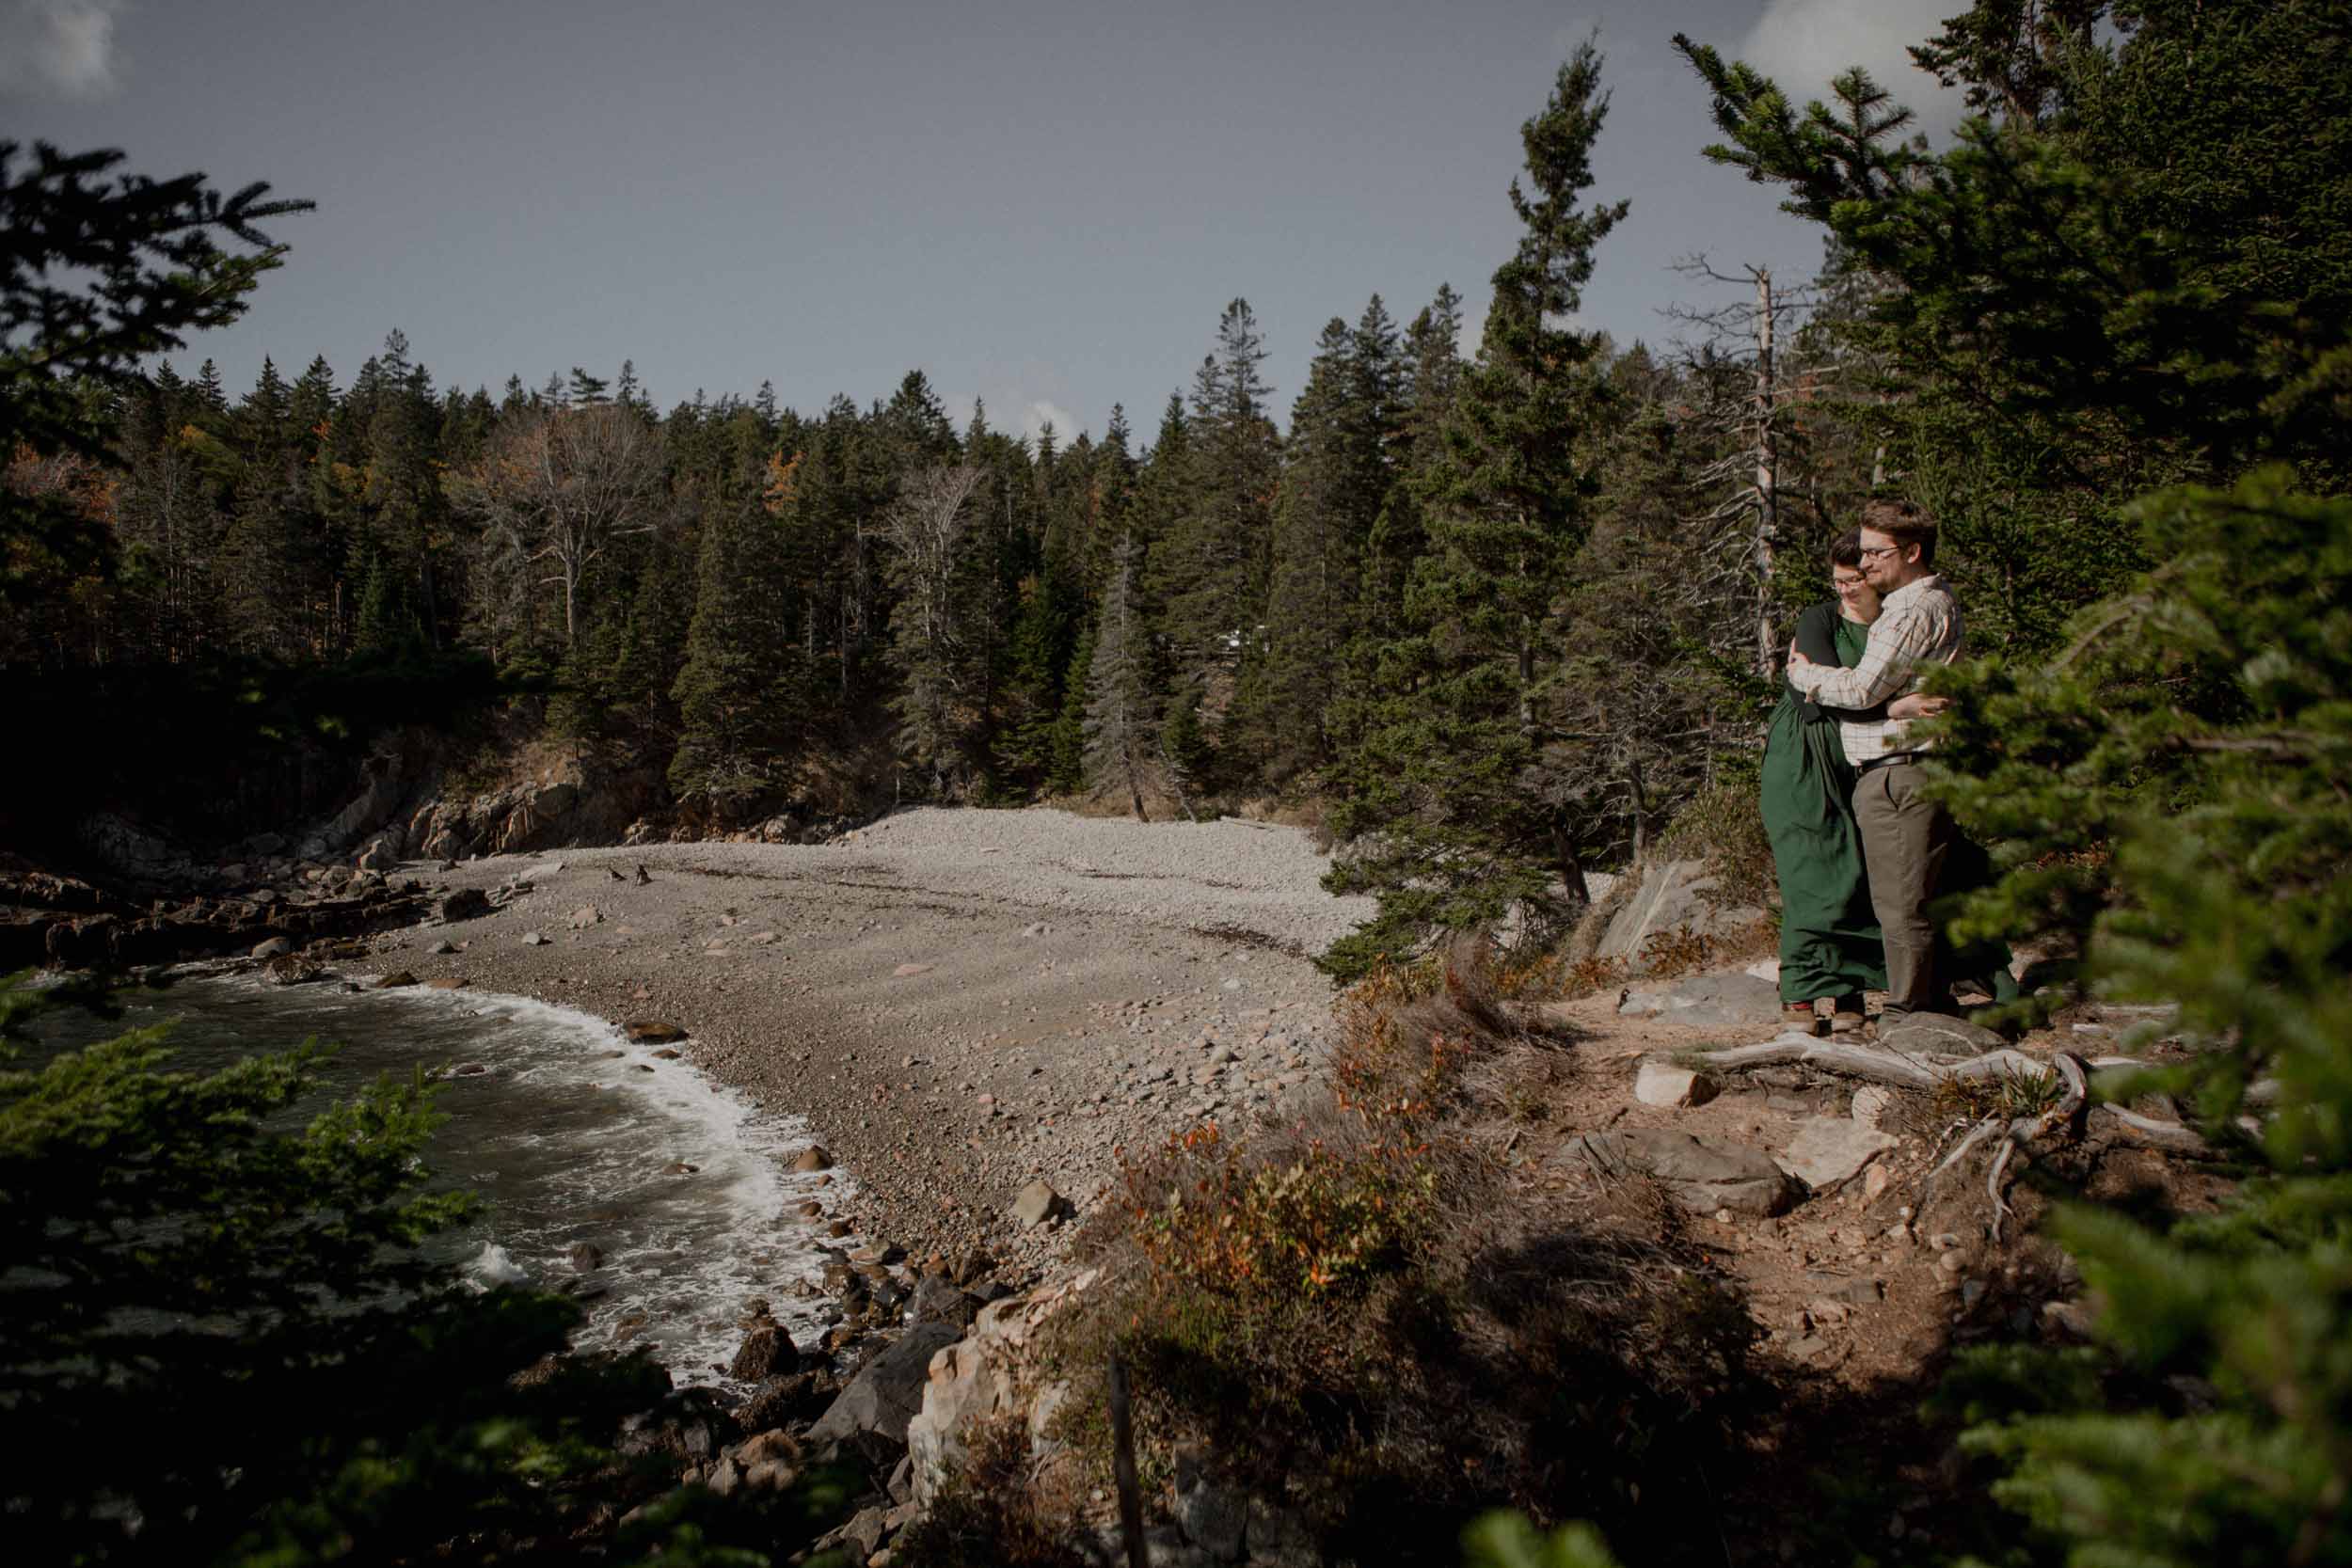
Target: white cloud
[65,47]
[1036,414]
[1802,43]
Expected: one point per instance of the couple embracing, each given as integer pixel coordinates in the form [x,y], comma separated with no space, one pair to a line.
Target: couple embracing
[1860,851]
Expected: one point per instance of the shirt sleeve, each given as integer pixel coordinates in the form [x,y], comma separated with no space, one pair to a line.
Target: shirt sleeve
[1889,663]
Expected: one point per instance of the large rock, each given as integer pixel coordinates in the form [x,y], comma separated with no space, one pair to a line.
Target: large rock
[872,1413]
[1828,1149]
[767,1352]
[1937,1034]
[1735,1001]
[987,1375]
[1674,898]
[1700,1177]
[1663,1084]
[464,904]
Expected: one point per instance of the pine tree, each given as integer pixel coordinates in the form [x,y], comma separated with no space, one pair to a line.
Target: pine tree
[2173,796]
[1333,480]
[738,714]
[1465,812]
[1120,732]
[104,270]
[1208,570]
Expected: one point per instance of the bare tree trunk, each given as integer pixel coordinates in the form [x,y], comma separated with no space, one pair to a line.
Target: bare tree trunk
[1767,474]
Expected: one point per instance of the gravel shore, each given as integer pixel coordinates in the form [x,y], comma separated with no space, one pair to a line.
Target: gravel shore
[961,1001]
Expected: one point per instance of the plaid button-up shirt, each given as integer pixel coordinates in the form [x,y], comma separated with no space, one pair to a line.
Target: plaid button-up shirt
[1919,625]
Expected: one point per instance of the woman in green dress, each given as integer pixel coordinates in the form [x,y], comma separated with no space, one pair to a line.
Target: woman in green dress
[1830,946]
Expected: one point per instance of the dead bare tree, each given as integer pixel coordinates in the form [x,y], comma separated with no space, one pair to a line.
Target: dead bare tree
[929,644]
[556,488]
[1751,333]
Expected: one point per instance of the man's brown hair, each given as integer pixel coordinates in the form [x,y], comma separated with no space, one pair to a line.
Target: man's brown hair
[1906,523]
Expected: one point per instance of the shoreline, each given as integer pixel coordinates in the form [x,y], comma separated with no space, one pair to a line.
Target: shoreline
[957,1003]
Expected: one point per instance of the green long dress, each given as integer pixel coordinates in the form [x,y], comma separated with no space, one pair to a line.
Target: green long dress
[1830,943]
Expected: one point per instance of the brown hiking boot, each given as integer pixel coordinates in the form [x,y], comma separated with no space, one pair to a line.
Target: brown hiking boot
[1800,1018]
[1848,1018]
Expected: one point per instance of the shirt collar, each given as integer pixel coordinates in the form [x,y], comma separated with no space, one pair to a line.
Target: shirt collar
[1914,588]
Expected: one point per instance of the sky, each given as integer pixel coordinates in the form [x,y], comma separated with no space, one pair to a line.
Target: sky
[1041,203]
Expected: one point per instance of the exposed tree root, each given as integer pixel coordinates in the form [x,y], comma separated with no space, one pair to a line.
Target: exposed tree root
[1925,1073]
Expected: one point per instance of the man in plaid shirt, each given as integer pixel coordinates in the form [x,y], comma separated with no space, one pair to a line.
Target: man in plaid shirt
[1905,836]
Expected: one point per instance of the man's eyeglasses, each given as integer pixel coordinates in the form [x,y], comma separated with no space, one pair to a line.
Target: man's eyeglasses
[1872,552]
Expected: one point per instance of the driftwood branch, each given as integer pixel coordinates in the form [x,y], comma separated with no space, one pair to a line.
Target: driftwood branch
[1924,1073]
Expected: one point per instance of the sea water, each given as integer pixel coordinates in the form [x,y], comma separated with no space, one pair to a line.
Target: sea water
[572,1135]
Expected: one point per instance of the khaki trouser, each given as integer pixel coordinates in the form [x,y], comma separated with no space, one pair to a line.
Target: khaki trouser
[1905,838]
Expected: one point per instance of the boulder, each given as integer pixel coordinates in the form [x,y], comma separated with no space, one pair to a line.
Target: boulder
[1663,1083]
[987,1375]
[781,1400]
[936,1300]
[767,1352]
[1214,1518]
[1829,1149]
[1700,1177]
[871,1413]
[274,947]
[647,1031]
[1937,1034]
[1674,898]
[465,904]
[1734,1000]
[1039,1204]
[814,1157]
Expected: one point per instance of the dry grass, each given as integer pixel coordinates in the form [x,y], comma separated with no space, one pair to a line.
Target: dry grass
[1396,1313]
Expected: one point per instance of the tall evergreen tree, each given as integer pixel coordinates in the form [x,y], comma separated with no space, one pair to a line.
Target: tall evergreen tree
[1464,816]
[1121,733]
[1208,571]
[738,714]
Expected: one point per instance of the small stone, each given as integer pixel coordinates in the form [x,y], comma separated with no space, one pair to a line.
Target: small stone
[1872,1104]
[585,916]
[2068,1316]
[1951,1263]
[814,1157]
[907,971]
[275,947]
[395,979]
[532,939]
[446,982]
[442,949]
[1874,1182]
[1039,1204]
[1661,1084]
[652,1032]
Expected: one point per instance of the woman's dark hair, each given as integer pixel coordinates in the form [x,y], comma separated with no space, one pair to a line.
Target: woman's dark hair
[1846,549]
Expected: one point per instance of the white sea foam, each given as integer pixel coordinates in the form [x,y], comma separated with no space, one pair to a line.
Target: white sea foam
[679,1182]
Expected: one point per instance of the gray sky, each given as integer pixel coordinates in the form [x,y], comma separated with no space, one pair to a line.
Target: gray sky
[1045,203]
